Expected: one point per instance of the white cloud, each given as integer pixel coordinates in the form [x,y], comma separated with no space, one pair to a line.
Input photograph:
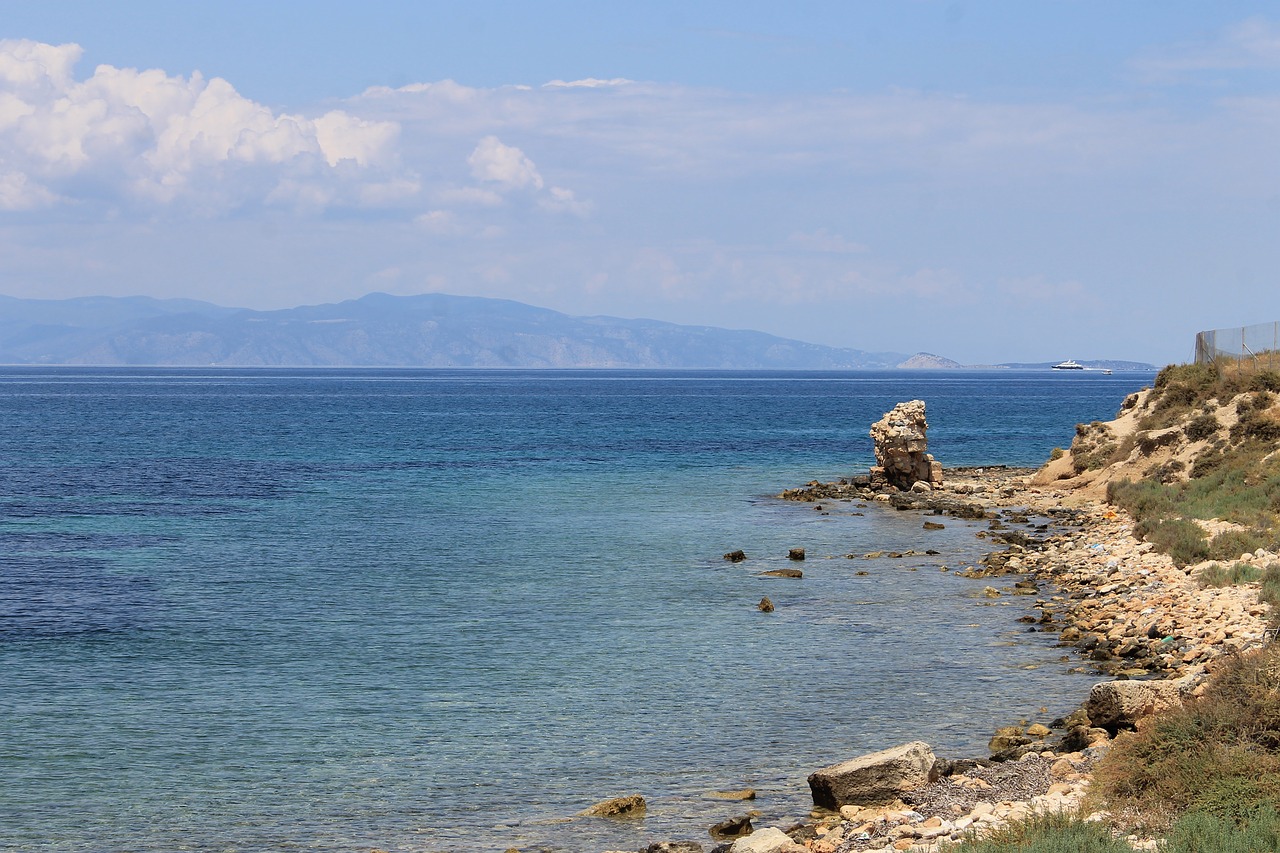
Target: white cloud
[1253,43]
[441,222]
[561,200]
[469,197]
[125,136]
[587,83]
[448,90]
[19,193]
[504,165]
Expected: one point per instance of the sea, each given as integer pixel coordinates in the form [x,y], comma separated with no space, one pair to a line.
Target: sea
[446,610]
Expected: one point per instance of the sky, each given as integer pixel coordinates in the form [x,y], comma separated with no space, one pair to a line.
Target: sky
[988,181]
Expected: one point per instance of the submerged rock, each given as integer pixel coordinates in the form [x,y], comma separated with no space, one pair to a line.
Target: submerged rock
[782,573]
[630,806]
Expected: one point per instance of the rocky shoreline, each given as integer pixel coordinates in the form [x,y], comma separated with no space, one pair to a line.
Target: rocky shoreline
[1123,610]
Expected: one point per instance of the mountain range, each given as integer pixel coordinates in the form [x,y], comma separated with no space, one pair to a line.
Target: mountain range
[430,330]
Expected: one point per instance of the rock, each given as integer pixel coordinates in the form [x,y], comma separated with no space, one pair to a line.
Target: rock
[1007,738]
[674,847]
[933,525]
[878,777]
[734,827]
[767,840]
[765,605]
[631,806]
[1120,704]
[795,554]
[736,556]
[743,794]
[902,450]
[782,573]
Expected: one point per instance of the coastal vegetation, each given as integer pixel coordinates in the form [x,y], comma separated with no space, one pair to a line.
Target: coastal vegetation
[1196,462]
[1204,777]
[1217,495]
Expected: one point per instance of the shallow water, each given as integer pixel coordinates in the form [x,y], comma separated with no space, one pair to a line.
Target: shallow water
[445,610]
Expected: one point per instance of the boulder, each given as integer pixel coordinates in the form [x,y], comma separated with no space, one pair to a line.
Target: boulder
[795,554]
[734,827]
[765,605]
[631,806]
[1120,704]
[674,847]
[736,556]
[767,840]
[901,448]
[782,573]
[879,777]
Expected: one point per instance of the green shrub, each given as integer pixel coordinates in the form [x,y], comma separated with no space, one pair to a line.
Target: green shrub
[1269,588]
[1184,541]
[1216,576]
[1218,755]
[1057,453]
[1256,425]
[1046,833]
[1202,832]
[1265,380]
[1230,544]
[1147,443]
[1206,463]
[1201,427]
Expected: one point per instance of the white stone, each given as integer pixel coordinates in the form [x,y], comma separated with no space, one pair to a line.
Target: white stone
[770,839]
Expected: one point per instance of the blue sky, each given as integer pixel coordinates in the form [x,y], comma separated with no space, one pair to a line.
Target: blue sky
[987,181]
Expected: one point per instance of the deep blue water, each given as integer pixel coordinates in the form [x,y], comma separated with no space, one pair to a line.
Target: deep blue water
[444,610]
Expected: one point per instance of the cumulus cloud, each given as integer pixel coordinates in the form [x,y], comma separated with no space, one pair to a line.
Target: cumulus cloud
[504,165]
[126,136]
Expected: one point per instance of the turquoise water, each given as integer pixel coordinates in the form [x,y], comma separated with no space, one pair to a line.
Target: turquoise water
[446,610]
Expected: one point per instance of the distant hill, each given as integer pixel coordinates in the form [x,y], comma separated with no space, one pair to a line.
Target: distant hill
[929,361]
[1096,364]
[431,330]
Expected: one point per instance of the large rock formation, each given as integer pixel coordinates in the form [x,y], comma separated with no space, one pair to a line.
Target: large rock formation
[901,448]
[873,779]
[1121,704]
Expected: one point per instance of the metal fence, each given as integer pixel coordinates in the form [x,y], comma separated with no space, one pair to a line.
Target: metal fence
[1256,347]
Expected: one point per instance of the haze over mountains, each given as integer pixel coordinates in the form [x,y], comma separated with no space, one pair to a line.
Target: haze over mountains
[431,330]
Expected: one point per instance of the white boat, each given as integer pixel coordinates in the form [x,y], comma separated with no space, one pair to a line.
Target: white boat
[1071,364]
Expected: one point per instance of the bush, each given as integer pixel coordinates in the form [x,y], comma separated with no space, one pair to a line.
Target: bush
[1216,576]
[1269,589]
[1256,425]
[1046,833]
[1218,755]
[1057,453]
[1265,380]
[1147,443]
[1184,541]
[1202,832]
[1230,544]
[1201,427]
